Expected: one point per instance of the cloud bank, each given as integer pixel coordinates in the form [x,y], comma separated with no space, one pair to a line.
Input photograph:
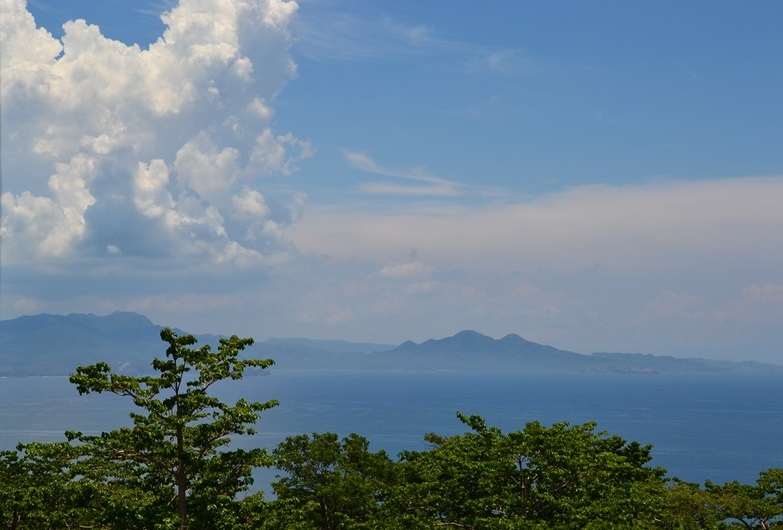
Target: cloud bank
[114,150]
[689,268]
[636,230]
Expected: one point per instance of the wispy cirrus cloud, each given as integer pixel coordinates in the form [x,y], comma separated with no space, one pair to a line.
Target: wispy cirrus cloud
[332,35]
[352,34]
[429,184]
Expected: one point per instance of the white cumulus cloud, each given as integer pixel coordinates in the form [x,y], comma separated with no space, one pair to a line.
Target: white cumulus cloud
[147,151]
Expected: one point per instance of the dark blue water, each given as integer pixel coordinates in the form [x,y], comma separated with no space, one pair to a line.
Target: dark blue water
[720,427]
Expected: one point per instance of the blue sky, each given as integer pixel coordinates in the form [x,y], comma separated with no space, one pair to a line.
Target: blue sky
[598,176]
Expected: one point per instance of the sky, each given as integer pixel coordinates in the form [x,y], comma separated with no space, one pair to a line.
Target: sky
[596,176]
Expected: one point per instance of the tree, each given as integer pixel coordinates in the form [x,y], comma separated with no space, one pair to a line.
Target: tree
[41,488]
[686,506]
[175,448]
[329,483]
[32,492]
[750,506]
[541,477]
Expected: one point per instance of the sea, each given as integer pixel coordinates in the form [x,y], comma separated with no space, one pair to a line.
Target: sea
[702,426]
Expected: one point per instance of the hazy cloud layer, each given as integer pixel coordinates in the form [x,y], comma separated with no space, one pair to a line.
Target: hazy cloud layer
[638,230]
[686,268]
[159,152]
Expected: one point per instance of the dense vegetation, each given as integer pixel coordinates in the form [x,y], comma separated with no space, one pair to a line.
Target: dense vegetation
[172,469]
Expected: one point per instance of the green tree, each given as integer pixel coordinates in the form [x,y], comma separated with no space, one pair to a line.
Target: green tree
[36,490]
[175,450]
[329,483]
[541,477]
[50,486]
[751,506]
[686,506]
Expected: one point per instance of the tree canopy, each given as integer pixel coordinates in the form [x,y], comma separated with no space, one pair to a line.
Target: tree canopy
[173,467]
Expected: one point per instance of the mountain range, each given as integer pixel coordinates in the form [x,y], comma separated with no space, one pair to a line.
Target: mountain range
[55,344]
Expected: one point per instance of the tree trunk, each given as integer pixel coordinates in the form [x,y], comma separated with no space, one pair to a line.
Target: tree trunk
[182,484]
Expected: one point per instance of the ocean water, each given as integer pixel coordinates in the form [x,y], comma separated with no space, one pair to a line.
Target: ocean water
[720,427]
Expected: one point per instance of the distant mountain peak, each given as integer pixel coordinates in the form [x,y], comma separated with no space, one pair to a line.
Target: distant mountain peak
[467,336]
[123,317]
[127,315]
[513,337]
[469,347]
[469,333]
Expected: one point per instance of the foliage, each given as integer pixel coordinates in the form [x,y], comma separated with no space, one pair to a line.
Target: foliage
[751,506]
[175,442]
[555,477]
[37,491]
[329,483]
[685,506]
[169,470]
[561,477]
[172,469]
